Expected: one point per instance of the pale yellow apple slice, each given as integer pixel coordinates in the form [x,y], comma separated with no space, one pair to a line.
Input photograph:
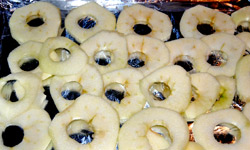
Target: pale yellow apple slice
[243,79]
[226,50]
[205,92]
[91,114]
[107,51]
[204,127]
[144,21]
[227,93]
[50,21]
[19,92]
[134,132]
[122,91]
[104,20]
[168,87]
[190,53]
[31,127]
[214,21]
[241,18]
[65,89]
[194,146]
[61,56]
[146,54]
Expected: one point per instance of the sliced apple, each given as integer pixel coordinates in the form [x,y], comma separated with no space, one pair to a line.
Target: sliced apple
[146,54]
[61,56]
[122,92]
[18,94]
[227,93]
[168,87]
[243,79]
[204,126]
[241,19]
[144,21]
[194,146]
[190,53]
[65,89]
[28,130]
[35,22]
[90,116]
[101,17]
[200,21]
[107,51]
[226,50]
[134,132]
[246,111]
[205,92]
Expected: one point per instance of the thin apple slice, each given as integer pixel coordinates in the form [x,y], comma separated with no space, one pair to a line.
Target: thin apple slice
[168,87]
[133,134]
[91,118]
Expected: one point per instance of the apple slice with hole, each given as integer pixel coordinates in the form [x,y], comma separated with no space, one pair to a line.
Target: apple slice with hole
[205,89]
[107,51]
[89,123]
[146,54]
[122,92]
[65,89]
[168,87]
[227,93]
[134,133]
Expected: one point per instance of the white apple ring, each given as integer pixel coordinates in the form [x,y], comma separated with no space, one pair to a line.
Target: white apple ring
[178,86]
[204,125]
[199,14]
[24,53]
[243,79]
[133,100]
[206,90]
[50,64]
[188,49]
[22,32]
[89,80]
[28,95]
[232,49]
[227,93]
[34,123]
[97,113]
[106,45]
[156,53]
[242,17]
[158,22]
[245,37]
[105,20]
[133,134]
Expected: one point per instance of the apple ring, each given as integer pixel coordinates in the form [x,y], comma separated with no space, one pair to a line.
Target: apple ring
[190,53]
[107,51]
[227,93]
[61,56]
[23,24]
[89,116]
[243,79]
[18,93]
[28,130]
[144,21]
[204,125]
[25,59]
[65,89]
[199,21]
[167,87]
[205,92]
[133,134]
[245,37]
[241,19]
[122,92]
[104,20]
[226,50]
[146,54]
